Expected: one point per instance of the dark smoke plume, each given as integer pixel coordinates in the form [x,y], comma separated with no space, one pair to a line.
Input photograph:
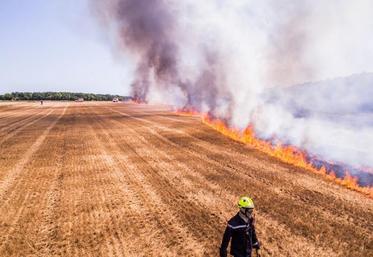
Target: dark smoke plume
[149,30]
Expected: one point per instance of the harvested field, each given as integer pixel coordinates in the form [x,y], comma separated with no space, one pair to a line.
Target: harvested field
[114,179]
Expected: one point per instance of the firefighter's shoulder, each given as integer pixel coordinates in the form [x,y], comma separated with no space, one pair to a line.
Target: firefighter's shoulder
[236,222]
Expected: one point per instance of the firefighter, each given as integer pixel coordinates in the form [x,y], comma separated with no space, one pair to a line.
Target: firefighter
[240,231]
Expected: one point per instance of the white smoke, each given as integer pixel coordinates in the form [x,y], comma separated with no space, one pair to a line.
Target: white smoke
[228,56]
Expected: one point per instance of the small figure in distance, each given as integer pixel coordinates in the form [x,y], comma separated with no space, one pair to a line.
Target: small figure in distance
[240,231]
[41,102]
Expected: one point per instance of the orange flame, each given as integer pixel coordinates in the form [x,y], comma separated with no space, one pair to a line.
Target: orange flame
[287,154]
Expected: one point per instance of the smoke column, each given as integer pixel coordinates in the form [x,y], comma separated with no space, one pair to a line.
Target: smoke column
[239,61]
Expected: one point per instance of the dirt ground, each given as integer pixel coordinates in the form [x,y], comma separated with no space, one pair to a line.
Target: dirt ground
[114,179]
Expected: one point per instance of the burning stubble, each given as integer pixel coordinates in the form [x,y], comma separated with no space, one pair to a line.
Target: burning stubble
[225,58]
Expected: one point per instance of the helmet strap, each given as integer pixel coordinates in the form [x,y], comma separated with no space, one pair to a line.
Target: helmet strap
[248,213]
[245,214]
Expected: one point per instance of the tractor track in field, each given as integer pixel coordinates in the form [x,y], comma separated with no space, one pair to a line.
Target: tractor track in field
[11,176]
[12,131]
[18,117]
[106,179]
[141,186]
[19,203]
[9,110]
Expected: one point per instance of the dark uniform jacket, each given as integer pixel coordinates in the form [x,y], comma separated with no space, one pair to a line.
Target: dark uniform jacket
[243,237]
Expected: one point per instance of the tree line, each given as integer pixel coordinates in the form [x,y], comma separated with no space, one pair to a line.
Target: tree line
[60,96]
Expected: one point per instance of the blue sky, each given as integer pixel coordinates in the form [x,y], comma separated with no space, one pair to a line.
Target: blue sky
[56,45]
